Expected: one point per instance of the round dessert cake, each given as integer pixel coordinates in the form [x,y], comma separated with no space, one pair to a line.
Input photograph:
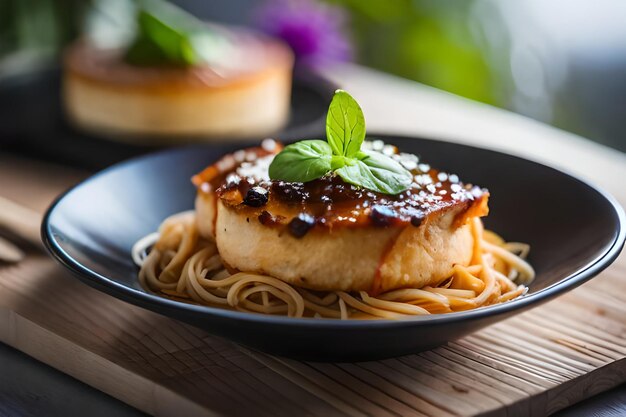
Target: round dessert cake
[247,94]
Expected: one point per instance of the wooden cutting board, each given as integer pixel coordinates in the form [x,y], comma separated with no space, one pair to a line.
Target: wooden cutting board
[533,364]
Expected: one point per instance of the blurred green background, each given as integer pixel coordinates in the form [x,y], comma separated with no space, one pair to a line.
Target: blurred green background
[562,62]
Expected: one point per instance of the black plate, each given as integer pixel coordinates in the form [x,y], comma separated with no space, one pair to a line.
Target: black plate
[33,122]
[574,230]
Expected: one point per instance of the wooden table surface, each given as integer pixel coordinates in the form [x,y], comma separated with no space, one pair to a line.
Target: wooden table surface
[398,106]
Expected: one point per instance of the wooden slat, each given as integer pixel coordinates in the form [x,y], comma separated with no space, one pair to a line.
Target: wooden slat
[532,364]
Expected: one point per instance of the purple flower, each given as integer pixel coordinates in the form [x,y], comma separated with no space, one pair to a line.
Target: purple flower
[315,31]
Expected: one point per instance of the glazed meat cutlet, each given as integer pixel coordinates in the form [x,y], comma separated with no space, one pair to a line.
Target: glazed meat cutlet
[329,235]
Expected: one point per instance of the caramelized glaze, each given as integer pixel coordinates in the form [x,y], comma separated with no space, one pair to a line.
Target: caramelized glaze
[241,181]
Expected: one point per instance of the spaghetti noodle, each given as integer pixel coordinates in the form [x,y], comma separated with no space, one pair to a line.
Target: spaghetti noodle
[184,266]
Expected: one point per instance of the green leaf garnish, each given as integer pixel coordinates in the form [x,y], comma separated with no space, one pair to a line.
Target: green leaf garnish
[345,131]
[345,125]
[302,161]
[167,35]
[377,172]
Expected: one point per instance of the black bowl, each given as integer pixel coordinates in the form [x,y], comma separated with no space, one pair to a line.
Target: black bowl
[574,229]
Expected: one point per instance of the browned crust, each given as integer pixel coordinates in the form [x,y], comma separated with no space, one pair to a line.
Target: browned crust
[277,213]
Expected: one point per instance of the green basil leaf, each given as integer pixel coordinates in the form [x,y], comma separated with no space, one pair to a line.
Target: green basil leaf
[345,125]
[165,35]
[157,43]
[377,172]
[345,130]
[302,161]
